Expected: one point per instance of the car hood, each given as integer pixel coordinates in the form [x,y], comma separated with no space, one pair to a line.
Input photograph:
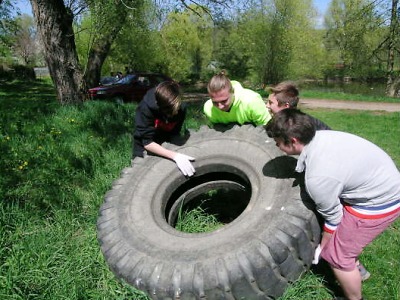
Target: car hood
[107,87]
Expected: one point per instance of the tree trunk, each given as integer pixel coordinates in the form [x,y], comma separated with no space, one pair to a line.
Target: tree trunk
[394,89]
[99,52]
[392,84]
[54,23]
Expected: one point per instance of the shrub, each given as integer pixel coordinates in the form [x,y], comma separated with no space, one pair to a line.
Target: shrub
[13,72]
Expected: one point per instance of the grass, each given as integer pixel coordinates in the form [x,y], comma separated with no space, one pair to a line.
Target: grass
[58,162]
[197,221]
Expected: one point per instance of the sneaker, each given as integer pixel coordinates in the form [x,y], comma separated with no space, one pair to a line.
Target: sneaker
[363,272]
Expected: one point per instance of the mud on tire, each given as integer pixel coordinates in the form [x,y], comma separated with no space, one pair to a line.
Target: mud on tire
[269,235]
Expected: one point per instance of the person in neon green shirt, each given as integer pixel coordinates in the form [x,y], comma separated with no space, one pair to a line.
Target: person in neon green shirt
[231,103]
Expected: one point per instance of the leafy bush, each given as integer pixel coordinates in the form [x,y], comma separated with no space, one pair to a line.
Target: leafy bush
[19,72]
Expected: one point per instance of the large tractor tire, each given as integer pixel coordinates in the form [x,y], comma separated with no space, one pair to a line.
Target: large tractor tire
[269,234]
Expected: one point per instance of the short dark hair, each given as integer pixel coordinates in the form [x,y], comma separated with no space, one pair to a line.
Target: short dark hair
[291,123]
[168,97]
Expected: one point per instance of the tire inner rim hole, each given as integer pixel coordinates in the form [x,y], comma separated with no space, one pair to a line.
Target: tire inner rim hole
[207,205]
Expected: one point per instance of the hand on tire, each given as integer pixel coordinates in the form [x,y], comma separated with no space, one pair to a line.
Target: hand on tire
[184,164]
[316,255]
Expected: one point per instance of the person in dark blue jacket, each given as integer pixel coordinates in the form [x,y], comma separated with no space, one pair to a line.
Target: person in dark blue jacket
[286,95]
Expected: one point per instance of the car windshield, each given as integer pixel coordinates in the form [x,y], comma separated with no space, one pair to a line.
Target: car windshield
[127,79]
[107,80]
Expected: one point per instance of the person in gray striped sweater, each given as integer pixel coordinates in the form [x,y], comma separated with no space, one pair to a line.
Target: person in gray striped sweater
[355,186]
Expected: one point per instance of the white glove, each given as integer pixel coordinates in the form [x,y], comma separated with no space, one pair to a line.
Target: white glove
[183,163]
[316,255]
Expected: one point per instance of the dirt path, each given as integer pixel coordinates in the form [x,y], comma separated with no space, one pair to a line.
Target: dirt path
[322,103]
[356,105]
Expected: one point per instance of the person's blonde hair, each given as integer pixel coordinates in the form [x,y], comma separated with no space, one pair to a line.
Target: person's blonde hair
[168,97]
[219,82]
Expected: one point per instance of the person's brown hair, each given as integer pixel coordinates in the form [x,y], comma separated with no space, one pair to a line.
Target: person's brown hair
[286,93]
[219,82]
[168,97]
[291,123]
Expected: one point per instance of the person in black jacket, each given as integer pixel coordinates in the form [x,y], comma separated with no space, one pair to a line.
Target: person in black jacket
[286,95]
[159,118]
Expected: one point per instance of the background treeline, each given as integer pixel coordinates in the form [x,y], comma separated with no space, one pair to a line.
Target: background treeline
[259,41]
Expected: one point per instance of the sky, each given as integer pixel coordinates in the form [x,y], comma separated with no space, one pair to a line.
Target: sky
[25,6]
[321,5]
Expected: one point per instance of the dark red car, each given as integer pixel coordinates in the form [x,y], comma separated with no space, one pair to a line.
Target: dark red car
[130,88]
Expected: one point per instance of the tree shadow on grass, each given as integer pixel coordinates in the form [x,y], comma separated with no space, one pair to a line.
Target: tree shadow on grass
[324,271]
[32,99]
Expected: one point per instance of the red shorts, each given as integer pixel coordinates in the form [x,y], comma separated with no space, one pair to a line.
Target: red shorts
[350,238]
